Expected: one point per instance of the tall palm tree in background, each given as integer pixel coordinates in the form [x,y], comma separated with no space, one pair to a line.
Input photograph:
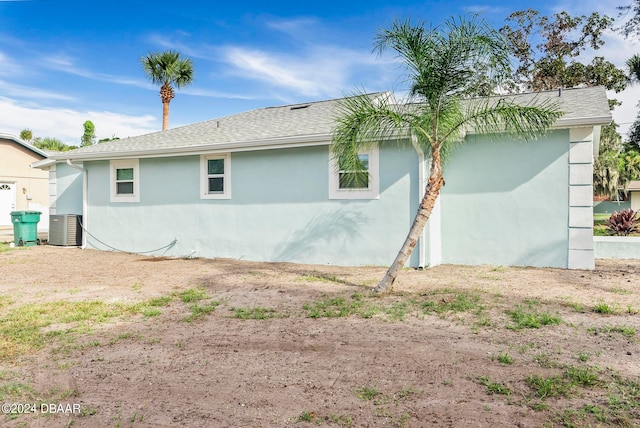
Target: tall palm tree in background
[442,66]
[167,69]
[633,68]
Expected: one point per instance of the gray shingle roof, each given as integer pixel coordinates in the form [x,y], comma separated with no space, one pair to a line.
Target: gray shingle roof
[309,123]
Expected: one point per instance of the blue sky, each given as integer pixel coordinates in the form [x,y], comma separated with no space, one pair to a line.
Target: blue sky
[64,61]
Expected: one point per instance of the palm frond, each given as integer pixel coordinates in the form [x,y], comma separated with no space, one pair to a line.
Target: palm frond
[501,115]
[443,60]
[633,66]
[168,67]
[364,120]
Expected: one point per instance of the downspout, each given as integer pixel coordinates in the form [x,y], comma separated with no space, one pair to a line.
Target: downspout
[84,199]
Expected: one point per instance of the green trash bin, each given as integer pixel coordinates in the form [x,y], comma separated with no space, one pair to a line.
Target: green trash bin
[25,227]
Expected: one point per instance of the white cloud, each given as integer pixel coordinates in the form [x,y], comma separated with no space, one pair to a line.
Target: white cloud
[66,64]
[197,50]
[319,71]
[66,124]
[15,90]
[9,67]
[297,28]
[199,92]
[489,10]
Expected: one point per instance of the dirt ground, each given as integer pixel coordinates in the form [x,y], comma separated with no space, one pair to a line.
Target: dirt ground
[427,369]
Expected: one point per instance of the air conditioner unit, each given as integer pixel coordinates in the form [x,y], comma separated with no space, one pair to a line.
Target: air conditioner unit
[65,230]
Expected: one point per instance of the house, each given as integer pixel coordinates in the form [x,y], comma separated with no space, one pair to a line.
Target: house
[263,185]
[22,188]
[634,194]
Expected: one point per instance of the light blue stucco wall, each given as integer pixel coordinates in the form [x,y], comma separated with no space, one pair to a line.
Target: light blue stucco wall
[506,202]
[279,210]
[68,190]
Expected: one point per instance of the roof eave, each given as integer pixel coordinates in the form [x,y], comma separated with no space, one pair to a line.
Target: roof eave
[274,143]
[44,163]
[24,144]
[583,121]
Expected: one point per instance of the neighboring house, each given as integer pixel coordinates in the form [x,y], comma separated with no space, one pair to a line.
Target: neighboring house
[263,185]
[634,194]
[22,188]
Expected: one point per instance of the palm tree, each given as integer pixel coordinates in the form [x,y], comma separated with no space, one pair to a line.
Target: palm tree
[633,66]
[167,69]
[441,64]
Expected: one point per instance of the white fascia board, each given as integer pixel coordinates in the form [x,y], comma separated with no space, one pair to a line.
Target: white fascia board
[23,144]
[582,121]
[43,164]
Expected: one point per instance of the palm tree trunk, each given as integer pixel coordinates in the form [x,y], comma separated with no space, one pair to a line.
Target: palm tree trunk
[165,115]
[431,193]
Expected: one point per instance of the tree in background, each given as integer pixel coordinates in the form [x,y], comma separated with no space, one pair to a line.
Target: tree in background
[547,51]
[26,135]
[633,140]
[52,144]
[617,164]
[631,28]
[104,140]
[89,135]
[441,62]
[633,68]
[167,69]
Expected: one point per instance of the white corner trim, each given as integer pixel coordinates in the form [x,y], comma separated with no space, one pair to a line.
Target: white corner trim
[577,135]
[581,259]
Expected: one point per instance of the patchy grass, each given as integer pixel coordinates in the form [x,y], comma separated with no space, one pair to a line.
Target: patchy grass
[546,387]
[504,358]
[530,318]
[367,393]
[199,311]
[439,302]
[445,301]
[551,377]
[391,406]
[605,309]
[21,329]
[495,387]
[257,313]
[319,278]
[624,330]
[193,295]
[160,301]
[28,328]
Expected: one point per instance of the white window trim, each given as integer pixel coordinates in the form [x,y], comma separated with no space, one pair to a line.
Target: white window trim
[204,181]
[372,192]
[121,164]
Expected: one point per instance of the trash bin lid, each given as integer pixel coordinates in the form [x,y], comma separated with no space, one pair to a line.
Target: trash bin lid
[25,212]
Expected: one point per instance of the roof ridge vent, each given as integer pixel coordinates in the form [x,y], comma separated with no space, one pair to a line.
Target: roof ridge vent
[300,107]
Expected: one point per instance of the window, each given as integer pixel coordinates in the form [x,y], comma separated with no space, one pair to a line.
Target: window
[344,184]
[125,181]
[216,176]
[354,179]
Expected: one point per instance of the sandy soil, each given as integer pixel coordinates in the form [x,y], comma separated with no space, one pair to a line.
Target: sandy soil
[293,370]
